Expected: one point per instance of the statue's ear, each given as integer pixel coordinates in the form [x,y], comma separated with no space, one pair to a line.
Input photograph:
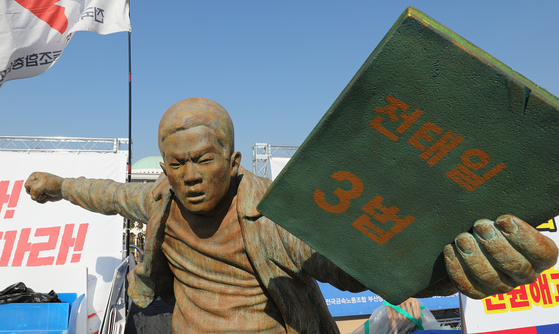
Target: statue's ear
[162,165]
[235,163]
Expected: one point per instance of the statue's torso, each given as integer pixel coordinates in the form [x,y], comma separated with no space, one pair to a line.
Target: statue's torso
[215,284]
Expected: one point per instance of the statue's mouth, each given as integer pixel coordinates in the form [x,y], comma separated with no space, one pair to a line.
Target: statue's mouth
[195,197]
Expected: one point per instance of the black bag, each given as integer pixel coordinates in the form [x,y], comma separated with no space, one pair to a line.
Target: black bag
[19,293]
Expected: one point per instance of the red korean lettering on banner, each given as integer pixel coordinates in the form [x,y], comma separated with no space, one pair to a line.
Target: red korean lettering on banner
[34,259]
[9,198]
[525,297]
[49,238]
[23,246]
[554,279]
[518,299]
[540,292]
[495,304]
[69,241]
[9,241]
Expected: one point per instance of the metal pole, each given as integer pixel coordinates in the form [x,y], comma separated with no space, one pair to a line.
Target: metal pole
[127,241]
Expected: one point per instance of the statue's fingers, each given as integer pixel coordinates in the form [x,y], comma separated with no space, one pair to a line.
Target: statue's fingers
[514,267]
[538,249]
[458,275]
[37,189]
[483,275]
[42,199]
[31,180]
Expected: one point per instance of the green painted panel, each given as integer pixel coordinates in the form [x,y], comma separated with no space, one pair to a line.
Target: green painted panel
[430,135]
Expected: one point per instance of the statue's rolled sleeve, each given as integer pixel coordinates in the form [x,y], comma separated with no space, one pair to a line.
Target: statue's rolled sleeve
[130,200]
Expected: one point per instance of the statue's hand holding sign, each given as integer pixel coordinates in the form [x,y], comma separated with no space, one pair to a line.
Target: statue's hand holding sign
[498,256]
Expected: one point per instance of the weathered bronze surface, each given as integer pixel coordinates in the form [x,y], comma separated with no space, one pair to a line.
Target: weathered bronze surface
[429,136]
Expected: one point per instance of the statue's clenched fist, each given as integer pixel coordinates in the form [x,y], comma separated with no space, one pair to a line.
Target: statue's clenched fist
[498,256]
[44,187]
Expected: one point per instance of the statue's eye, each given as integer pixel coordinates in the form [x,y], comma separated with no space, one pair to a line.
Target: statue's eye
[205,159]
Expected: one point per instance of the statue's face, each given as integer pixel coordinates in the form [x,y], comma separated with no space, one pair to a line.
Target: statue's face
[199,169]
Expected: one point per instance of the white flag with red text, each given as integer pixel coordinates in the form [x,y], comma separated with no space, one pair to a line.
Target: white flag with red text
[33,33]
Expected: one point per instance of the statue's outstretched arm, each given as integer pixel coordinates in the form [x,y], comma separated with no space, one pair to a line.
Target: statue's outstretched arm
[131,200]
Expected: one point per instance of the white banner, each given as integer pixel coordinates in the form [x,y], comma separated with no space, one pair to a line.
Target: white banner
[60,233]
[277,164]
[33,34]
[531,308]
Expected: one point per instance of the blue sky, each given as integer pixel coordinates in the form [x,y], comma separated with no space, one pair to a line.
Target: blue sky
[276,66]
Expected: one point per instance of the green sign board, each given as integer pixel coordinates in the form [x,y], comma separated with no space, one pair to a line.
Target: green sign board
[430,135]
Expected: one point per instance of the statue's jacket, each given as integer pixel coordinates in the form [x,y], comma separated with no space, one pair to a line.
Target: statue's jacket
[286,266]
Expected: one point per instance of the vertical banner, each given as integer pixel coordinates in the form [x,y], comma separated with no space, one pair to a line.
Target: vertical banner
[60,233]
[531,308]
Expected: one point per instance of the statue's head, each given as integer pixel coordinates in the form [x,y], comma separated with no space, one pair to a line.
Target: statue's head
[196,140]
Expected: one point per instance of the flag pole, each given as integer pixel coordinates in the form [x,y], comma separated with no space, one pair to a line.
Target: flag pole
[127,237]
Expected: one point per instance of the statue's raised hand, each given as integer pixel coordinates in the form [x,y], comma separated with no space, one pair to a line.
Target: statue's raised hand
[44,187]
[498,256]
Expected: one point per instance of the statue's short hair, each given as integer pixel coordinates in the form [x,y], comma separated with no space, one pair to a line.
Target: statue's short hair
[193,112]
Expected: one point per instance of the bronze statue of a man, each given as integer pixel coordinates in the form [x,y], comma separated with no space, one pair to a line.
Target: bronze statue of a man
[227,268]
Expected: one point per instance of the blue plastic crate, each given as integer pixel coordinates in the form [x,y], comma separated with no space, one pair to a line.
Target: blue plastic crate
[51,318]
